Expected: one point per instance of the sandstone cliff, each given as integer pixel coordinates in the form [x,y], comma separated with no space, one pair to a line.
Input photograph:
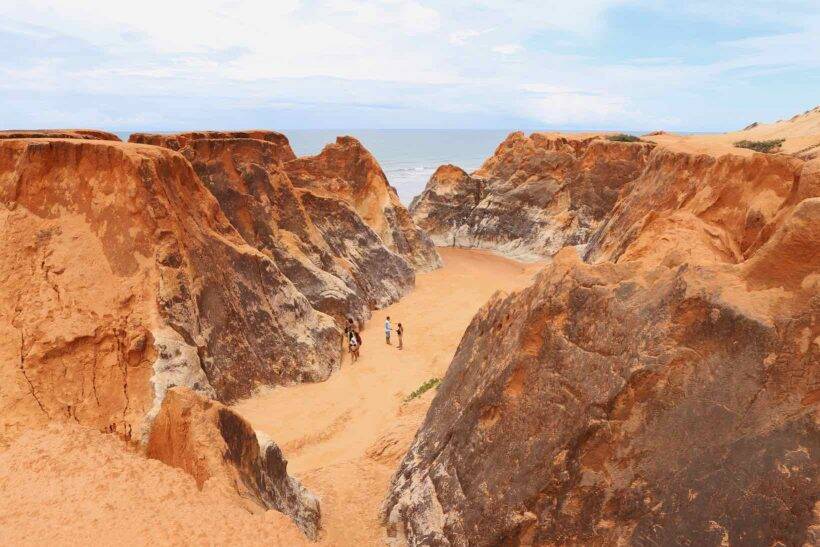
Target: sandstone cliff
[534,196]
[191,261]
[344,240]
[346,170]
[664,394]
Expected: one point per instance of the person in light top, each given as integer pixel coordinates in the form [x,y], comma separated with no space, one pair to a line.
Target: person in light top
[387,329]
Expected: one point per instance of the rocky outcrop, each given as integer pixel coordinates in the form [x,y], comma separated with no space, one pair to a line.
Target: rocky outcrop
[90,134]
[122,276]
[344,261]
[665,394]
[133,269]
[346,170]
[534,196]
[178,141]
[214,444]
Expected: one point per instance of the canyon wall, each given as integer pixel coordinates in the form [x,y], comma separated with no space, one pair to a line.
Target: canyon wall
[189,261]
[535,195]
[664,392]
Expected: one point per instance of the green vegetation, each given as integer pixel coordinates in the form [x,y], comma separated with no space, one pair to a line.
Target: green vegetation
[426,386]
[761,146]
[623,137]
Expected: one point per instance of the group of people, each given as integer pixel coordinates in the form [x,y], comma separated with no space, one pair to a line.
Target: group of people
[354,339]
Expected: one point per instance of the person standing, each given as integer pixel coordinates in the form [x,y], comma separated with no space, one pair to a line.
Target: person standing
[355,343]
[387,329]
[400,333]
[349,330]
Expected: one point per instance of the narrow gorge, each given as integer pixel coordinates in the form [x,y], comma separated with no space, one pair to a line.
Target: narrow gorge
[608,342]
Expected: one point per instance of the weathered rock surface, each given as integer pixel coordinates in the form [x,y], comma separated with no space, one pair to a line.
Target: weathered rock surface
[214,444]
[534,196]
[91,134]
[131,269]
[666,394]
[344,262]
[112,247]
[346,170]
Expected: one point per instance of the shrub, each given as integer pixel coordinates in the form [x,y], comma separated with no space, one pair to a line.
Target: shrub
[623,137]
[761,146]
[426,386]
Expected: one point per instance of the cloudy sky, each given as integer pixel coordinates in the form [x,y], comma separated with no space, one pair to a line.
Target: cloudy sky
[597,64]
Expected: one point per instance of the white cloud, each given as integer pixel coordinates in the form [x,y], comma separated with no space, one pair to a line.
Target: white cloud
[464,57]
[507,49]
[461,37]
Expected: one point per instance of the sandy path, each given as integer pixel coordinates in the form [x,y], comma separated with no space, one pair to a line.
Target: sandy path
[343,437]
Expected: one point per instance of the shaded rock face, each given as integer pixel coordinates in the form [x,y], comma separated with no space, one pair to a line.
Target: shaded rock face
[346,170]
[122,276]
[219,448]
[330,252]
[664,395]
[534,196]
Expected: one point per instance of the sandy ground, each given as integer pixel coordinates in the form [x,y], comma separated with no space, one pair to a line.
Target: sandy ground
[802,134]
[71,485]
[344,437]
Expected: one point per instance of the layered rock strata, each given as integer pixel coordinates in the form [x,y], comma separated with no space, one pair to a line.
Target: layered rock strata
[535,195]
[343,239]
[664,394]
[133,269]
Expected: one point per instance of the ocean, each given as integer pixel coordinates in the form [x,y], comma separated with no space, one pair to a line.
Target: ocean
[407,156]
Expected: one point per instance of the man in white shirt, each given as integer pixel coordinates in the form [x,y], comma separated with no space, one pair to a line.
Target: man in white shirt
[387,329]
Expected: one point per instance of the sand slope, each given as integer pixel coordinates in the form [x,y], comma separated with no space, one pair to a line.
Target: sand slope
[70,485]
[343,437]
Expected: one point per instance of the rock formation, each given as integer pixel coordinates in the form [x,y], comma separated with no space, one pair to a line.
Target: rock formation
[90,134]
[346,170]
[344,240]
[212,443]
[134,270]
[534,196]
[663,394]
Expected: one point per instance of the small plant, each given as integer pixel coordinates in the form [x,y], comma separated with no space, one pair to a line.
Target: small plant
[623,137]
[423,388]
[761,146]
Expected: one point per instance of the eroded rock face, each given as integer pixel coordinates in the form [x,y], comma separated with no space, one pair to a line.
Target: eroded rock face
[315,235]
[534,196]
[664,395]
[346,170]
[217,446]
[121,276]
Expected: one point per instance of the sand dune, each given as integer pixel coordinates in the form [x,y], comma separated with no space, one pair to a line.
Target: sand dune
[343,437]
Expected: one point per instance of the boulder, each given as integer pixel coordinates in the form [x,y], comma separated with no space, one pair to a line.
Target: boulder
[215,445]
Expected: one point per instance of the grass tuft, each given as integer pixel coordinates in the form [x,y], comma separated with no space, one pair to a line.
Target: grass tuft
[623,137]
[761,146]
[423,388]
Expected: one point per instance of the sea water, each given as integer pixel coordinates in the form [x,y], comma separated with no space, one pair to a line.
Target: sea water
[407,156]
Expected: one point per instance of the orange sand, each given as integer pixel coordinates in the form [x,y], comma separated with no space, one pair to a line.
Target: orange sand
[344,437]
[70,485]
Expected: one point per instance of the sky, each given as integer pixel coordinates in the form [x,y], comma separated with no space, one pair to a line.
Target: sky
[451,64]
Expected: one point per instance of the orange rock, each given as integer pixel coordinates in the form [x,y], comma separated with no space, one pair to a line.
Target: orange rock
[532,197]
[665,392]
[217,446]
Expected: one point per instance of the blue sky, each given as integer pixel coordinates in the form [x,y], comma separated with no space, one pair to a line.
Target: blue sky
[581,64]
